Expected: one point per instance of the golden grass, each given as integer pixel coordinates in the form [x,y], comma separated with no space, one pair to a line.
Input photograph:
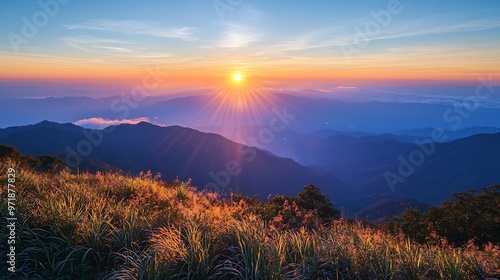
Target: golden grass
[115,226]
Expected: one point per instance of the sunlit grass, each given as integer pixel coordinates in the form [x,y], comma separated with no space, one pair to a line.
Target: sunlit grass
[115,226]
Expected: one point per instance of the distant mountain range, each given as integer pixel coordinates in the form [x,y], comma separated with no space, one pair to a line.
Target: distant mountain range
[360,160]
[219,110]
[359,153]
[209,159]
[352,171]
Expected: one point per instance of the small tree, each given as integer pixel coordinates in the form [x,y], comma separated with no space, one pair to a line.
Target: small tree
[309,209]
[52,163]
[11,153]
[311,199]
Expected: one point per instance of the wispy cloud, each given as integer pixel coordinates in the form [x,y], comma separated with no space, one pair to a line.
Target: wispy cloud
[307,40]
[89,43]
[100,122]
[336,37]
[148,28]
[237,36]
[429,26]
[124,50]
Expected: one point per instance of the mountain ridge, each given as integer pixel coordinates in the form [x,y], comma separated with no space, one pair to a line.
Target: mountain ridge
[209,159]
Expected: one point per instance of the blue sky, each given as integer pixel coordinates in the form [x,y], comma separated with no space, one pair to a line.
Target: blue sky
[280,42]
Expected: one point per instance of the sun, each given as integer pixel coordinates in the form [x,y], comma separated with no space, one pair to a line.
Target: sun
[237,77]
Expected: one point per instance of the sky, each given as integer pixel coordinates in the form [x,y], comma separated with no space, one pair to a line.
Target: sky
[102,48]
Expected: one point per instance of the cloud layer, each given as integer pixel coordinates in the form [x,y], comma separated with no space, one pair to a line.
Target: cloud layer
[101,123]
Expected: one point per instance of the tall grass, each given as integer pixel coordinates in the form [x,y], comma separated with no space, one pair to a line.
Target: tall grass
[246,255]
[115,226]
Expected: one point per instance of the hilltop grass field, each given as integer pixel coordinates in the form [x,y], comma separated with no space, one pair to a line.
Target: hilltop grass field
[118,226]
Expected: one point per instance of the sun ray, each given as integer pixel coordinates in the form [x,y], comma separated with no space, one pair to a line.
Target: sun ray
[239,101]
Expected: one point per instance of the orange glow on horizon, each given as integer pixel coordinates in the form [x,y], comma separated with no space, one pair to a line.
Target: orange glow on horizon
[210,74]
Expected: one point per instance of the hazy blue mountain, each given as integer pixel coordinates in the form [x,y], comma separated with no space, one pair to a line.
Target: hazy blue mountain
[362,163]
[311,115]
[452,135]
[305,115]
[68,109]
[177,151]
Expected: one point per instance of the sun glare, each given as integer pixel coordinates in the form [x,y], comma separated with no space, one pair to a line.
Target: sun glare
[237,77]
[239,99]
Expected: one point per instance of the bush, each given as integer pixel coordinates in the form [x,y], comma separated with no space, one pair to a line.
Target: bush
[470,216]
[310,209]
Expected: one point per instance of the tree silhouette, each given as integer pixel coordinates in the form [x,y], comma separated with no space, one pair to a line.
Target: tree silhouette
[311,199]
[52,163]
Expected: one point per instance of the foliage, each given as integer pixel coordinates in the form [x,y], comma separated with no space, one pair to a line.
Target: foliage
[51,163]
[9,154]
[48,163]
[117,226]
[470,216]
[310,209]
